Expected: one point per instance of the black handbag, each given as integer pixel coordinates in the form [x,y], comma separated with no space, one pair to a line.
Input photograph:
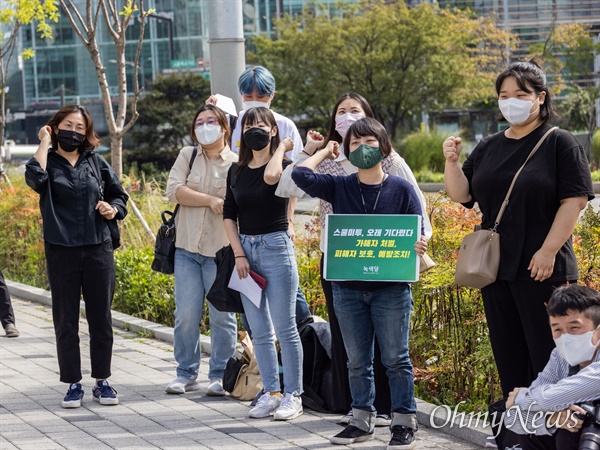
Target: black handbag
[113,226]
[164,245]
[220,296]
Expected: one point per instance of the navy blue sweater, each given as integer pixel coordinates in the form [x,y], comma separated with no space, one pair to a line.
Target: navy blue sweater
[344,193]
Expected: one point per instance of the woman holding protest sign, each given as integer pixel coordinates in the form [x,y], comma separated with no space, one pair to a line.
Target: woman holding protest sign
[368,308]
[349,108]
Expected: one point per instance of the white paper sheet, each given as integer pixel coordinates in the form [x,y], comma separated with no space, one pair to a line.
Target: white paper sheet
[226,104]
[246,286]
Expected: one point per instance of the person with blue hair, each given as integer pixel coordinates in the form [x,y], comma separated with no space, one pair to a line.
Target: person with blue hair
[257,88]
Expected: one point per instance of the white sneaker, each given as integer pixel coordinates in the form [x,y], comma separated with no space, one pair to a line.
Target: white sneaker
[215,388]
[290,408]
[347,418]
[383,420]
[182,385]
[265,406]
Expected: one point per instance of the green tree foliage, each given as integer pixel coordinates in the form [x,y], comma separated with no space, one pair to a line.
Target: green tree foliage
[568,55]
[422,150]
[166,114]
[13,15]
[401,59]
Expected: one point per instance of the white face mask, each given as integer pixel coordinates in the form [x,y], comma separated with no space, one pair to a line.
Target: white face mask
[344,121]
[207,134]
[576,348]
[254,104]
[516,111]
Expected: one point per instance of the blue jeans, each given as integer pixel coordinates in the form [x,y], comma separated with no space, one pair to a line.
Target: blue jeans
[302,311]
[272,256]
[194,276]
[385,313]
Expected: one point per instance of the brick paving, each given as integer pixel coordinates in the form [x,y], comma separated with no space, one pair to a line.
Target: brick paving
[31,417]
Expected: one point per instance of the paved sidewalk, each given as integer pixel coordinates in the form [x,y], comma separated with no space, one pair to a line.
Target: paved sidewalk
[147,418]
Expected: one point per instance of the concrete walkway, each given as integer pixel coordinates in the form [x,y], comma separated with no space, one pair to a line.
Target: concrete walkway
[147,418]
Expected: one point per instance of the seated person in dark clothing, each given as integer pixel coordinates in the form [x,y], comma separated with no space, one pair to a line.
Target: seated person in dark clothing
[547,414]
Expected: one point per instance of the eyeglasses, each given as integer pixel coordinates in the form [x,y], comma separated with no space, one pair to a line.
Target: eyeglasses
[209,121]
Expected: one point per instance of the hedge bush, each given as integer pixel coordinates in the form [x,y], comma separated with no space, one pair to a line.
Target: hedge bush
[449,343]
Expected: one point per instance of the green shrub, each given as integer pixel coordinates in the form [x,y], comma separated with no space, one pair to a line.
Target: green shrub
[596,149]
[422,150]
[308,257]
[427,176]
[21,244]
[140,291]
[449,343]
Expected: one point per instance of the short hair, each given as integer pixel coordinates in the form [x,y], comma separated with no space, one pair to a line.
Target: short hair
[221,118]
[332,133]
[575,297]
[529,75]
[256,78]
[91,140]
[368,126]
[255,115]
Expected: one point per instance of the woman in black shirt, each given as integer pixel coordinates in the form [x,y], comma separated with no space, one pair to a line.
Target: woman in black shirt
[256,222]
[536,254]
[79,254]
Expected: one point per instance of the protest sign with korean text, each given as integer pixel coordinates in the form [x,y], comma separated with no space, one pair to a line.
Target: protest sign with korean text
[372,247]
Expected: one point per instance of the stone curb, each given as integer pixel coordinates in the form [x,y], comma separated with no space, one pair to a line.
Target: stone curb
[429,415]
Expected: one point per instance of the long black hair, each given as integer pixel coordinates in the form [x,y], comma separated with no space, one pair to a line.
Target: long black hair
[254,116]
[332,134]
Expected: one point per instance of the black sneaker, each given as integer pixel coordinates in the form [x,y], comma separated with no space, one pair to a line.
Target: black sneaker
[402,438]
[350,435]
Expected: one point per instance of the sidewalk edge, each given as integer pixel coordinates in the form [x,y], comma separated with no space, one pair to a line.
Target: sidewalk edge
[428,415]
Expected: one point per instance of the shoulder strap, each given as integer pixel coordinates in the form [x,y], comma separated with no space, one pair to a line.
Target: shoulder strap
[96,171]
[512,185]
[192,159]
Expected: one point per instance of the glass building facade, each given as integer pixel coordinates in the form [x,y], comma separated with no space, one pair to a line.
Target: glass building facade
[176,38]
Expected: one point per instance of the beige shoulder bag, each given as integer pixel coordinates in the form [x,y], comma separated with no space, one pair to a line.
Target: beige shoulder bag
[479,253]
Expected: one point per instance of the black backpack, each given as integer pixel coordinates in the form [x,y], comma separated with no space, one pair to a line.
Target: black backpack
[317,379]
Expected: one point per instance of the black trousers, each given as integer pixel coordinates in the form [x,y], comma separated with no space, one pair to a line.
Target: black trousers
[73,272]
[7,314]
[562,440]
[519,329]
[339,364]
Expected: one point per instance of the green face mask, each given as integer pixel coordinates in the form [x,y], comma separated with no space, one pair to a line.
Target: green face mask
[365,156]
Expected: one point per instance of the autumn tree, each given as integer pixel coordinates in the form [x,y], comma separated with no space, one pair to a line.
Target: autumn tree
[13,15]
[116,18]
[401,59]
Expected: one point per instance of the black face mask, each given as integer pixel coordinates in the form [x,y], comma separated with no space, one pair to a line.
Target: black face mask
[69,140]
[257,138]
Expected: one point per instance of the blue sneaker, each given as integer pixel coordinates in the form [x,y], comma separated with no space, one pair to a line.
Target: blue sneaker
[104,394]
[73,397]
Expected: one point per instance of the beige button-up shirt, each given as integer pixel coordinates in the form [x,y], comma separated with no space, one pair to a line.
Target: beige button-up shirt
[199,229]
